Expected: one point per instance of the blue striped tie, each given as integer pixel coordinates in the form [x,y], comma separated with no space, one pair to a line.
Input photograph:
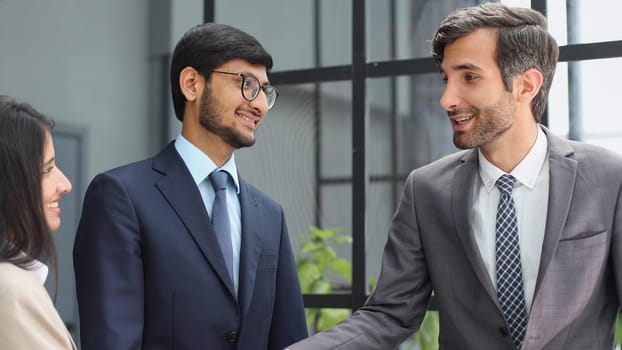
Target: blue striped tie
[220,217]
[509,272]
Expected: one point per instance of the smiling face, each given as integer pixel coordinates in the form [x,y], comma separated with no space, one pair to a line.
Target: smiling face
[224,111]
[479,107]
[53,185]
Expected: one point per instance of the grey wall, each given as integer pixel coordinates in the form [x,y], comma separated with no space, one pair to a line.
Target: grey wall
[82,62]
[97,68]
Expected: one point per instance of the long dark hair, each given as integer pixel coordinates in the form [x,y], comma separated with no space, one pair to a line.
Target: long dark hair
[24,233]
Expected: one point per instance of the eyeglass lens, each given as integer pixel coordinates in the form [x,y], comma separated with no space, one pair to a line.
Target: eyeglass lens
[250,90]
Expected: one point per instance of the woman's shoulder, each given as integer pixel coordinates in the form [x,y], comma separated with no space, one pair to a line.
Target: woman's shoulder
[14,278]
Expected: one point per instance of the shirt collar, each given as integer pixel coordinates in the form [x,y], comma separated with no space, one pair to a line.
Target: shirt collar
[39,269]
[201,165]
[526,172]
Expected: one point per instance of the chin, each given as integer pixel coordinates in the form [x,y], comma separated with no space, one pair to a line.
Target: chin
[54,225]
[242,142]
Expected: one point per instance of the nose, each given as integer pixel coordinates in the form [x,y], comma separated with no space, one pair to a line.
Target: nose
[64,185]
[260,103]
[449,99]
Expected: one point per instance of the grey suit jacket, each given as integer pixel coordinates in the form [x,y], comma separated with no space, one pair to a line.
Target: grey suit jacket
[431,247]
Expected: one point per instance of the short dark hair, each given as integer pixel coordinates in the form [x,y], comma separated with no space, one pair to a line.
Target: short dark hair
[207,46]
[523,42]
[24,233]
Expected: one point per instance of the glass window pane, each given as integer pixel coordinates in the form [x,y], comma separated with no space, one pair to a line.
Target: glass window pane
[336,212]
[411,24]
[336,129]
[292,39]
[381,136]
[410,106]
[409,128]
[590,21]
[590,106]
[557,21]
[380,209]
[335,32]
[380,31]
[598,83]
[282,161]
[289,39]
[598,21]
[322,319]
[423,130]
[558,101]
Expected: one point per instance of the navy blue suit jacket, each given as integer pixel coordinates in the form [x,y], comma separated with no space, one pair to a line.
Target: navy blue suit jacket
[150,275]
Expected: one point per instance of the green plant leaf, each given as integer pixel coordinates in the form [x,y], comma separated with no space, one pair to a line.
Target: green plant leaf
[316,261]
[321,287]
[427,335]
[372,284]
[342,239]
[307,236]
[308,274]
[324,257]
[330,317]
[323,234]
[312,316]
[618,334]
[343,268]
[310,246]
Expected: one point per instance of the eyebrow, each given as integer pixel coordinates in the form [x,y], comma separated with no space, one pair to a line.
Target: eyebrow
[267,83]
[466,66]
[50,161]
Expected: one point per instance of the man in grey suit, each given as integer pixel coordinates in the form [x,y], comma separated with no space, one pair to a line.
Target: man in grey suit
[561,212]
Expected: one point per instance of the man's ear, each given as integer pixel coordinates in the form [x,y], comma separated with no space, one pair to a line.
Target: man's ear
[189,82]
[529,84]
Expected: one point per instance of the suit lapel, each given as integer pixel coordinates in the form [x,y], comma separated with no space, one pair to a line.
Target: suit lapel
[563,172]
[177,186]
[252,217]
[462,194]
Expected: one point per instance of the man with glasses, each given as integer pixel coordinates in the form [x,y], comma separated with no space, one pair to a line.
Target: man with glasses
[178,251]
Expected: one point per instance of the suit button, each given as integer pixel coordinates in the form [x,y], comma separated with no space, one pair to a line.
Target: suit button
[503,331]
[232,337]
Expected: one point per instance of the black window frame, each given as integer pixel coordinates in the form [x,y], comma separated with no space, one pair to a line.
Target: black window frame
[358,72]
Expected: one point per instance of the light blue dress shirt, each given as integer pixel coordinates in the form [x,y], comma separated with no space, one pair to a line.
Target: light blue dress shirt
[200,166]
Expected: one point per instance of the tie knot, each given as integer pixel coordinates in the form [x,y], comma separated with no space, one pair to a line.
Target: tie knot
[505,183]
[219,178]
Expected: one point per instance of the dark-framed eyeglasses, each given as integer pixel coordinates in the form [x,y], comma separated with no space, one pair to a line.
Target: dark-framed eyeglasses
[250,88]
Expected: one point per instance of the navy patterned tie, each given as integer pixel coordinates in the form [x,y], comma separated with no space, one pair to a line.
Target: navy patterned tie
[220,217]
[509,272]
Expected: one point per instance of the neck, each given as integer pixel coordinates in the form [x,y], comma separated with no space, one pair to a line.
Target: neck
[212,145]
[509,149]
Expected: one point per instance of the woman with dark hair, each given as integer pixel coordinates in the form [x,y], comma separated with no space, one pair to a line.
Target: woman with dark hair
[30,189]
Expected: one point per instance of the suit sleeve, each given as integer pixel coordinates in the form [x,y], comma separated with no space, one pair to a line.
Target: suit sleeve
[288,322]
[29,320]
[397,306]
[108,268]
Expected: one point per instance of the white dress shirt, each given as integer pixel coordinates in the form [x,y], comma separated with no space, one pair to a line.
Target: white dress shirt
[530,194]
[40,270]
[200,166]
